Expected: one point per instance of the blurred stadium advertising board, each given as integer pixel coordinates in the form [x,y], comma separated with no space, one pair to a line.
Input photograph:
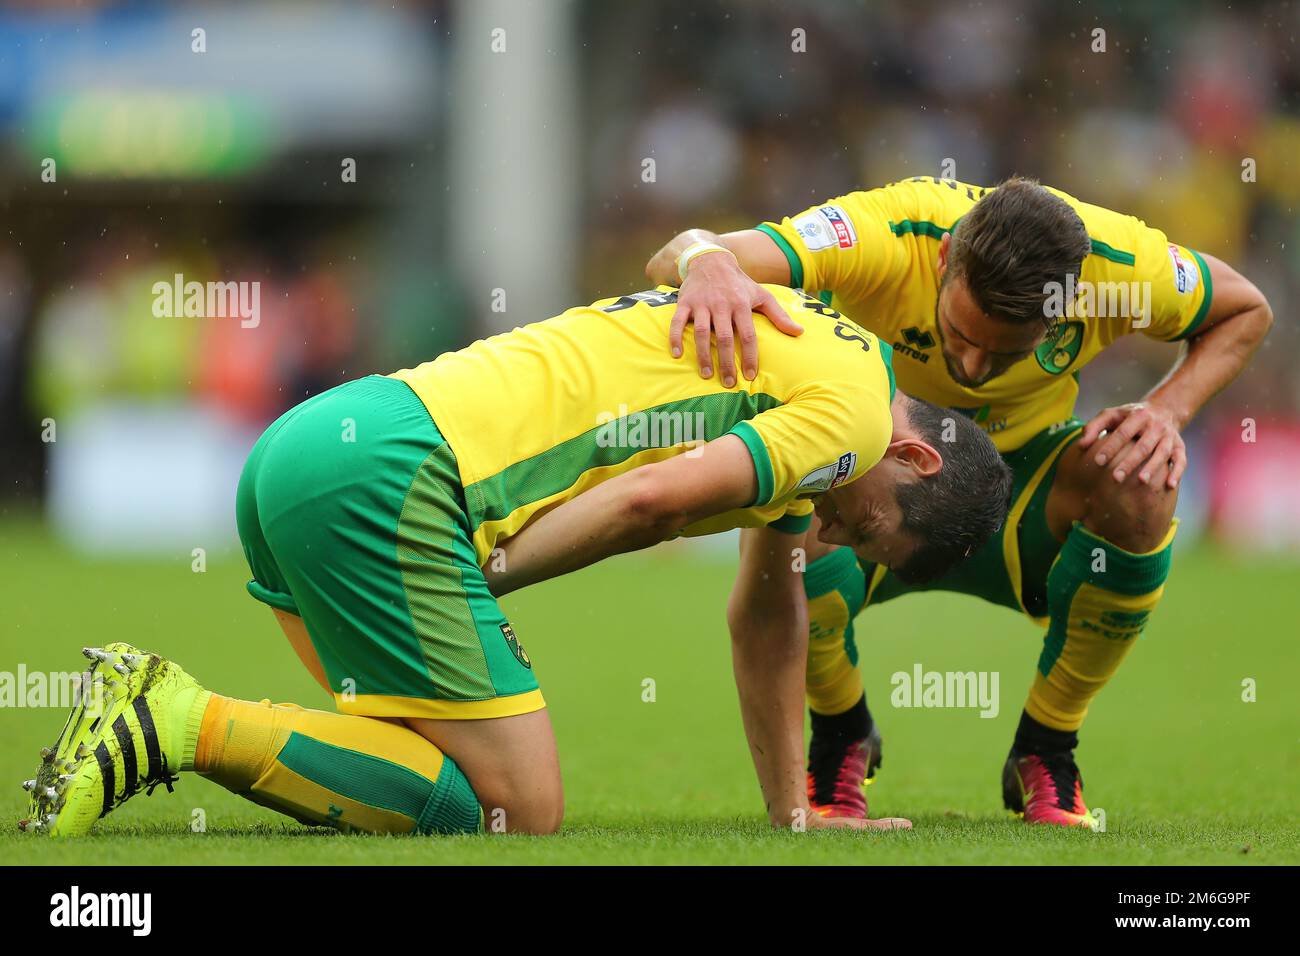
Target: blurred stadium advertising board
[141,477]
[91,91]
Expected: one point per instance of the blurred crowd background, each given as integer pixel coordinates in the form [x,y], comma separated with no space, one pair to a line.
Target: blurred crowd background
[500,151]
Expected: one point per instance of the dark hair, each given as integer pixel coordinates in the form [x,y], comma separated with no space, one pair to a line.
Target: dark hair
[1011,244]
[956,510]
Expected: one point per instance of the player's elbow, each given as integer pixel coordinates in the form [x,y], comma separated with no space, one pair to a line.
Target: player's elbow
[769,617]
[744,623]
[1265,316]
[1254,315]
[739,618]
[662,267]
[1253,324]
[652,506]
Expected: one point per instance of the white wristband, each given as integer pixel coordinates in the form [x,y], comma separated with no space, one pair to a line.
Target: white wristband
[697,249]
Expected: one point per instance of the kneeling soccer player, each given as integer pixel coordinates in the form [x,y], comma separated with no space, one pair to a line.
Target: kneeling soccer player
[381,519]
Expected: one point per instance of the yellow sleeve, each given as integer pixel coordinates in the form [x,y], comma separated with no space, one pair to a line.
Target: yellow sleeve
[845,245]
[1180,286]
[828,434]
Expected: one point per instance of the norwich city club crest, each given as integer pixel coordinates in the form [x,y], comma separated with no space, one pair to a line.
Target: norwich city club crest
[516,648]
[1061,348]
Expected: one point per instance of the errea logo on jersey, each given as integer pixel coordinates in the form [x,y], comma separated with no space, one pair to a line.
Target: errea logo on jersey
[825,227]
[828,476]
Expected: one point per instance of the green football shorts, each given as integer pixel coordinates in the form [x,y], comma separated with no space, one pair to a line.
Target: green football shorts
[352,516]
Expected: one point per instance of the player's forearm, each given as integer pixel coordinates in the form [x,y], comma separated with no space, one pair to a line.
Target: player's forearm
[662,267]
[769,659]
[1210,362]
[768,619]
[634,510]
[755,254]
[612,518]
[1238,320]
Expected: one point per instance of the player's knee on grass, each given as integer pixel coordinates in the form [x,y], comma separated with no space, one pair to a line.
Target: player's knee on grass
[512,764]
[522,806]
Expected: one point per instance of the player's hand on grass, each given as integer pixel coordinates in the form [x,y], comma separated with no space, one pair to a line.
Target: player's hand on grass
[718,298]
[1137,439]
[818,822]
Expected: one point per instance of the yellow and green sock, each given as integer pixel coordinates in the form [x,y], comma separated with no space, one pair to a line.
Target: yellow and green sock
[349,772]
[1099,598]
[836,589]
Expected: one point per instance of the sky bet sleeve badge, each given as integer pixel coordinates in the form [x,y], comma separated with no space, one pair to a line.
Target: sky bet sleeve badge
[828,476]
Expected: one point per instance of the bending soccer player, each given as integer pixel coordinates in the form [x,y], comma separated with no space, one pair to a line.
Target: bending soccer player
[993,299]
[382,518]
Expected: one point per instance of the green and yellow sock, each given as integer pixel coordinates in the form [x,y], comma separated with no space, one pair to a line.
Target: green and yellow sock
[339,770]
[1099,598]
[836,589]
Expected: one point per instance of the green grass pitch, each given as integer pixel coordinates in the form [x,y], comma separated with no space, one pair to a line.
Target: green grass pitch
[1186,772]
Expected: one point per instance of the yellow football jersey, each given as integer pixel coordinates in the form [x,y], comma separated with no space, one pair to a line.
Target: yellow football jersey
[540,414]
[875,252]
